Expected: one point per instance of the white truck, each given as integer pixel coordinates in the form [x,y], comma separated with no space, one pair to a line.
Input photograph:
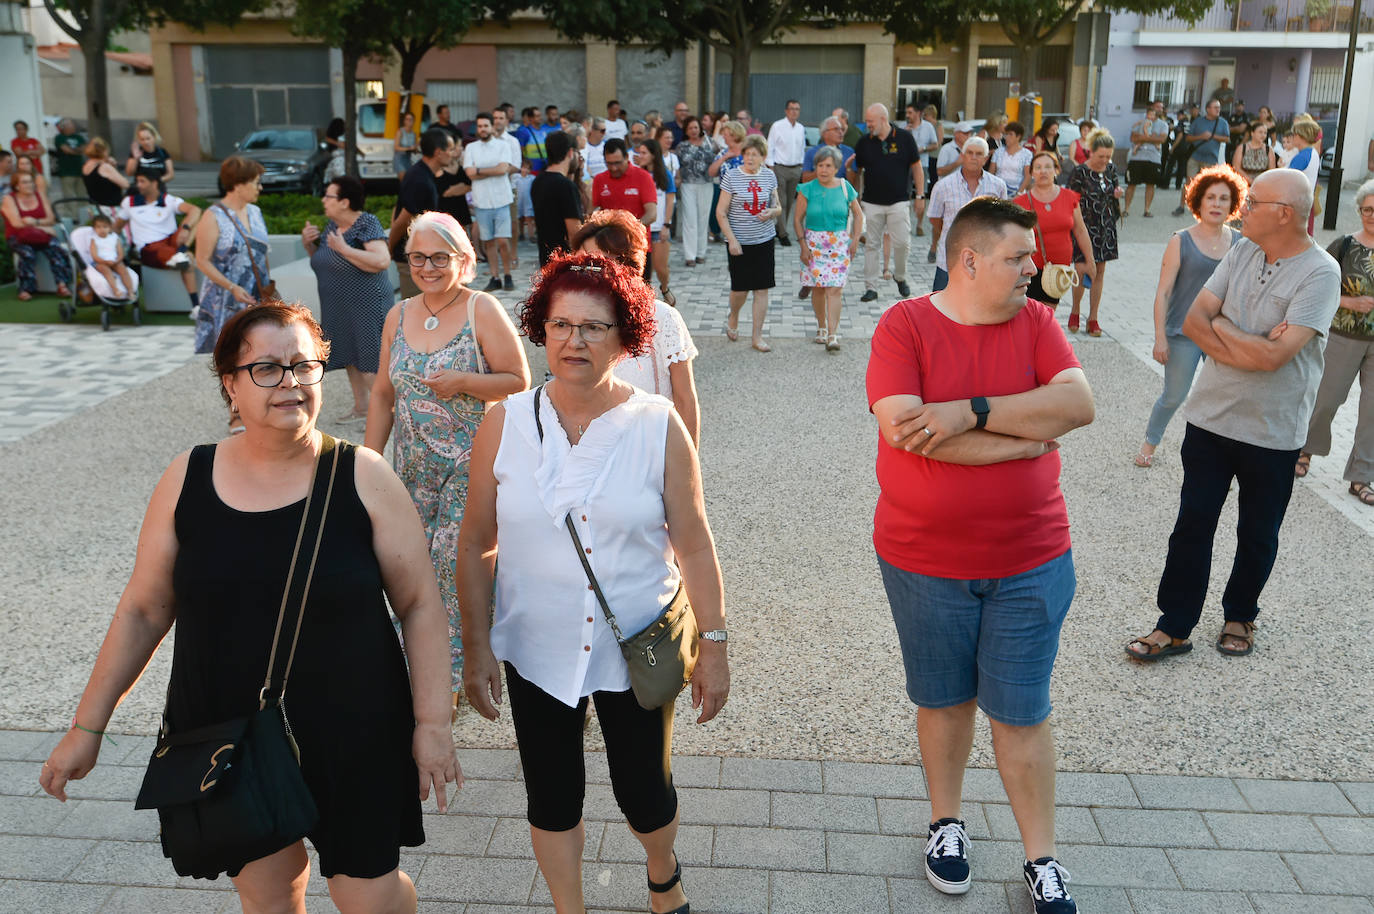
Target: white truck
[375,149]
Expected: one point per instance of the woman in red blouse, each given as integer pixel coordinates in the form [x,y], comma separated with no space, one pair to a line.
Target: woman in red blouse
[1059,222]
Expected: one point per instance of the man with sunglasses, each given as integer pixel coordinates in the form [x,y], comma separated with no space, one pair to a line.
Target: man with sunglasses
[1261,320]
[419,193]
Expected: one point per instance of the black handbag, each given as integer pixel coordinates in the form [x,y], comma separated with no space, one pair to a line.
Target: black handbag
[232,792]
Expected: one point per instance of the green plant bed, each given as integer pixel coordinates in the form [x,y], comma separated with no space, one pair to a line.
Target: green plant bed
[285,214]
[42,309]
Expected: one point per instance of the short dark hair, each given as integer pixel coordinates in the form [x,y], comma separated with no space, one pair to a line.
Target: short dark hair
[100,219]
[556,147]
[548,108]
[4,154]
[351,189]
[237,170]
[24,124]
[615,144]
[617,234]
[440,110]
[279,314]
[1015,127]
[791,101]
[614,101]
[432,140]
[482,116]
[528,111]
[983,216]
[631,298]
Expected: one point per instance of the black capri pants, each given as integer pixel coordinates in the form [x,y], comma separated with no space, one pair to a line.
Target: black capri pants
[639,747]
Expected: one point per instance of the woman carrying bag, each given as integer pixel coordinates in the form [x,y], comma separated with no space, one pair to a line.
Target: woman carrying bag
[595,488]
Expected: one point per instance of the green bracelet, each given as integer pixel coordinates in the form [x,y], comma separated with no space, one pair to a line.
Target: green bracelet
[76,726]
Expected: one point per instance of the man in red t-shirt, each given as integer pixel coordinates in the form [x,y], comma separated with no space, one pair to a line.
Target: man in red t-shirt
[971,386]
[26,147]
[625,186]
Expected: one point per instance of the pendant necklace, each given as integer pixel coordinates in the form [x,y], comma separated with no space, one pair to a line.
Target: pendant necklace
[432,322]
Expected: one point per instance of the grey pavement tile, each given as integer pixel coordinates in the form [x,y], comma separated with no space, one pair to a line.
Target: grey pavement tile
[40,858]
[19,779]
[1081,788]
[620,886]
[769,848]
[693,846]
[906,782]
[132,751]
[1231,871]
[1154,901]
[1153,828]
[696,771]
[912,817]
[1173,791]
[490,764]
[599,804]
[126,863]
[873,855]
[1270,903]
[983,785]
[1254,831]
[439,907]
[1123,867]
[31,815]
[1334,875]
[1090,898]
[466,836]
[826,893]
[490,798]
[1295,796]
[127,900]
[830,812]
[107,782]
[20,897]
[108,819]
[771,774]
[728,891]
[511,838]
[698,806]
[15,745]
[498,881]
[911,895]
[1360,793]
[1345,835]
[1072,824]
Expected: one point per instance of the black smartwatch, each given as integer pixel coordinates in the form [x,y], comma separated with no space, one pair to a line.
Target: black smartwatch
[980,410]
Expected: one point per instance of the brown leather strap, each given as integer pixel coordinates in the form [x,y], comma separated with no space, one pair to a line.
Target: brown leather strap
[252,261]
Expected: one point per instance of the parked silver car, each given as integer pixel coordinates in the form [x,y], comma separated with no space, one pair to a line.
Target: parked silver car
[293,157]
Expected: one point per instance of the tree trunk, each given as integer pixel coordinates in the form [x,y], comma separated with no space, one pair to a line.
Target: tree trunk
[739,76]
[1030,59]
[410,62]
[93,41]
[350,87]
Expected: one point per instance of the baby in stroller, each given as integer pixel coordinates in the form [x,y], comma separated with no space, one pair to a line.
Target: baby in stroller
[106,256]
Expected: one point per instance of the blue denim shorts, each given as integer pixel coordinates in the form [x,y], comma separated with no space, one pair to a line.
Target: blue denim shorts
[994,640]
[493,223]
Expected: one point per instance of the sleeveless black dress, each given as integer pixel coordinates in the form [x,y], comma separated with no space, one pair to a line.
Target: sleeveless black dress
[348,697]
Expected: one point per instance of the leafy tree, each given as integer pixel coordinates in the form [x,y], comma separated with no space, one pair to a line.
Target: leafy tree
[734,28]
[1028,24]
[91,22]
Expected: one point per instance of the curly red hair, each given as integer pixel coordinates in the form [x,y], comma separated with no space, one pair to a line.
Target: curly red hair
[630,298]
[1215,174]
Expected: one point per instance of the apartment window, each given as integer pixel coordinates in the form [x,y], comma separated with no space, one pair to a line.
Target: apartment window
[1176,85]
[1325,88]
[370,88]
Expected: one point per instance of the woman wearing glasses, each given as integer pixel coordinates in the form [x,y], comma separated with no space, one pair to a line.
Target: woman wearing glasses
[213,556]
[349,257]
[618,462]
[451,351]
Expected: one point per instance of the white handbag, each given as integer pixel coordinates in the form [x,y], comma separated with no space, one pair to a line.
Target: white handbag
[1055,278]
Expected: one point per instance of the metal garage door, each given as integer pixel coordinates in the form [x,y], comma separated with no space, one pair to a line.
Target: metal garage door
[459,94]
[250,86]
[821,77]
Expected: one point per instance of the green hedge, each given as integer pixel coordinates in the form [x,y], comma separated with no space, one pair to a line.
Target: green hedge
[285,214]
[6,262]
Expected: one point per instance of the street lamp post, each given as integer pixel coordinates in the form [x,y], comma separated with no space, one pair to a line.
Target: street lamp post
[1333,190]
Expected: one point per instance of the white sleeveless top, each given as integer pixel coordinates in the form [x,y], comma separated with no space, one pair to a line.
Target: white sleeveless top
[672,343]
[547,621]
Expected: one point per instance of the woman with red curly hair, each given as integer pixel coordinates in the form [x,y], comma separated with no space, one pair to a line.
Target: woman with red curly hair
[619,464]
[1215,196]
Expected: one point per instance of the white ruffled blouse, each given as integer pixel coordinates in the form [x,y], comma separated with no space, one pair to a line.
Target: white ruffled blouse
[672,343]
[547,621]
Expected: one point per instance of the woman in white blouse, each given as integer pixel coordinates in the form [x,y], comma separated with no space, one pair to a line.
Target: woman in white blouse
[666,368]
[620,463]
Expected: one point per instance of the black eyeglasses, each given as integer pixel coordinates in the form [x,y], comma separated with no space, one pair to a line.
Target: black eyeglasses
[270,374]
[590,331]
[440,260]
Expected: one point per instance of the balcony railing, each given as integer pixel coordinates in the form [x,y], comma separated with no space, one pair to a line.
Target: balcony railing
[1265,16]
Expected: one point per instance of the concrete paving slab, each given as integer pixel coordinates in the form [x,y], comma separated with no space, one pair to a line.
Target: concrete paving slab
[917,896]
[693,845]
[1295,796]
[1263,832]
[1346,836]
[700,806]
[108,819]
[835,813]
[22,897]
[129,900]
[770,848]
[1328,904]
[1325,874]
[1145,901]
[873,855]
[459,835]
[125,863]
[1153,828]
[1095,899]
[771,774]
[826,893]
[912,817]
[1238,871]
[1072,824]
[906,782]
[30,857]
[492,880]
[1123,867]
[1164,791]
[39,815]
[1360,794]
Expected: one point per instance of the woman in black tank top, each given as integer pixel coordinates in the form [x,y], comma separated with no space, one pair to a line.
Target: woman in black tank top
[105,186]
[214,555]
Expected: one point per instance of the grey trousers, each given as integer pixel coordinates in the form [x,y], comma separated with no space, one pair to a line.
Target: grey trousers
[789,176]
[1345,360]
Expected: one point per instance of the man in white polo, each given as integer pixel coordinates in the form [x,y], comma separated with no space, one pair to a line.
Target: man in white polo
[786,149]
[487,163]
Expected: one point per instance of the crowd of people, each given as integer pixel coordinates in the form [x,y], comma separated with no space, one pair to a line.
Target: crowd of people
[972,386]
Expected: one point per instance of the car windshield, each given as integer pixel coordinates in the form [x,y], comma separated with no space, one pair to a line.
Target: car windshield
[280,139]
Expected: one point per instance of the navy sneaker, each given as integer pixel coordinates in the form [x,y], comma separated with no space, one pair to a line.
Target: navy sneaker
[903,289]
[1045,879]
[870,295]
[947,857]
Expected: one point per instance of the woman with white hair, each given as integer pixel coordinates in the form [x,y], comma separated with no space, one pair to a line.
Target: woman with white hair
[449,351]
[825,207]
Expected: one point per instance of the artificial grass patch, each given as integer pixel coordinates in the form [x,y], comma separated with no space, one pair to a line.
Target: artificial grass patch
[42,309]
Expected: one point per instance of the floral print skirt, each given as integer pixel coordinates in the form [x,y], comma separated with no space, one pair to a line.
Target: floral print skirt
[829,267]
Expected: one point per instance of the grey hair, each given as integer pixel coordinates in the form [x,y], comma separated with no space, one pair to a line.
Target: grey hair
[451,234]
[825,124]
[575,132]
[598,123]
[831,153]
[844,113]
[1364,192]
[975,141]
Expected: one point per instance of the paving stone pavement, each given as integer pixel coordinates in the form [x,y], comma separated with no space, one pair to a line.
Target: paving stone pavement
[759,836]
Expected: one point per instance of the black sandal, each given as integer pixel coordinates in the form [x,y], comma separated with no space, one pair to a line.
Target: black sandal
[659,887]
[1248,639]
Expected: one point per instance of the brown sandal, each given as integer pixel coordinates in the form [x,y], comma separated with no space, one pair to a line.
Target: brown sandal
[1156,651]
[1303,465]
[1248,639]
[1363,492]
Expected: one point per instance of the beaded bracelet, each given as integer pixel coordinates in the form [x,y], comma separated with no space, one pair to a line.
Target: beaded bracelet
[76,726]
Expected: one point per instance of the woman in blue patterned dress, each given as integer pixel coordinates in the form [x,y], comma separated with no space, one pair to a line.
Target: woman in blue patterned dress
[449,352]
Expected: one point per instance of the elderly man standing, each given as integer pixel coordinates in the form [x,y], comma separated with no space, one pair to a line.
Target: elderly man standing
[953,192]
[891,166]
[1261,320]
[971,387]
[786,149]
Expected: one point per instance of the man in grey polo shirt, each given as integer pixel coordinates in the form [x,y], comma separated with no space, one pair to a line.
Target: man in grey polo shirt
[1261,320]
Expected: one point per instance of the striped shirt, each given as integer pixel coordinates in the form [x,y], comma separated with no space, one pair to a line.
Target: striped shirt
[749,196]
[951,194]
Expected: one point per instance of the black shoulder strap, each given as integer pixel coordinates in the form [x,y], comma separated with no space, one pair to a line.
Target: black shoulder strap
[1345,249]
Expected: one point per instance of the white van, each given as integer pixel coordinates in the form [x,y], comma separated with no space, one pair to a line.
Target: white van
[375,149]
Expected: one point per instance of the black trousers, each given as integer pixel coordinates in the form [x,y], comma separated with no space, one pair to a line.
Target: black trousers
[639,747]
[1210,462]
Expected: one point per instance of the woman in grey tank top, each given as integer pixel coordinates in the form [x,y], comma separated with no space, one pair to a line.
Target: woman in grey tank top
[1214,196]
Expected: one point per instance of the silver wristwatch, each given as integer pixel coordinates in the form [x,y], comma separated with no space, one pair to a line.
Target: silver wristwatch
[717,634]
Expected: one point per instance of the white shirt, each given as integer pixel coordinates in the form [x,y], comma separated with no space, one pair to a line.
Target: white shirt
[106,248]
[493,191]
[547,621]
[596,158]
[617,129]
[786,143]
[951,194]
[948,153]
[672,343]
[924,135]
[149,222]
[1012,168]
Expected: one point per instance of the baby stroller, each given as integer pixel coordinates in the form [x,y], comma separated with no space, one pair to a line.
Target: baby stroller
[91,288]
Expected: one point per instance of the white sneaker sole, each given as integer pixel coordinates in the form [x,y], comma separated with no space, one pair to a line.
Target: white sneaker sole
[949,888]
